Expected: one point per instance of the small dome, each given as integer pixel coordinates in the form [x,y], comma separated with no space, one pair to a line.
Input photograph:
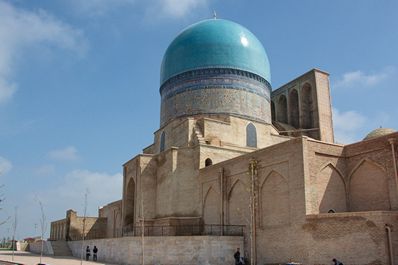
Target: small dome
[378,133]
[215,43]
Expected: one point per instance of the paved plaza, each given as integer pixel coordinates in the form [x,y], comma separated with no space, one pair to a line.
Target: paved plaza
[27,258]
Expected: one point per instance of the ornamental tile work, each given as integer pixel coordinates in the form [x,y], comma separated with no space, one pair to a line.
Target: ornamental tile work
[216,91]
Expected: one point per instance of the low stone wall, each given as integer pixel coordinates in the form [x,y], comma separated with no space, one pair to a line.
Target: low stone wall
[36,248]
[180,250]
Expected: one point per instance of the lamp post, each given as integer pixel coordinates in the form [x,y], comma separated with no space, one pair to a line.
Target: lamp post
[253,204]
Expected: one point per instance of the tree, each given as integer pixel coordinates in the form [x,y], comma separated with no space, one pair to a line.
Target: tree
[43,227]
[14,229]
[84,225]
[2,198]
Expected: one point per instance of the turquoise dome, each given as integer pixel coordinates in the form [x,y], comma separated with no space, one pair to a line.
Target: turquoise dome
[215,43]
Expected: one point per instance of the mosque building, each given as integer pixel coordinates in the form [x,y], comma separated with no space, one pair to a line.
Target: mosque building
[237,162]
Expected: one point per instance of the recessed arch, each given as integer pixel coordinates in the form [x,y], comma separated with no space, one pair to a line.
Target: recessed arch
[211,207]
[294,112]
[274,189]
[273,117]
[251,135]
[208,162]
[129,203]
[162,141]
[282,109]
[330,190]
[307,107]
[368,187]
[273,171]
[238,204]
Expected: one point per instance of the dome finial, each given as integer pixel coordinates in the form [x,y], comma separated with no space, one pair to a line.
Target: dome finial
[214,14]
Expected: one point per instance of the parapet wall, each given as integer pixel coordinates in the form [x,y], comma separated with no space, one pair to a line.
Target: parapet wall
[213,250]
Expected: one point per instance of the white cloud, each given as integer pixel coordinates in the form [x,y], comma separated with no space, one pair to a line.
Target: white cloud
[20,30]
[5,166]
[348,125]
[361,79]
[103,188]
[155,8]
[98,7]
[66,154]
[180,8]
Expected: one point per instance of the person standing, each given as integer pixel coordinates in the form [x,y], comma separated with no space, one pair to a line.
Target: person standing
[336,262]
[88,253]
[237,256]
[95,250]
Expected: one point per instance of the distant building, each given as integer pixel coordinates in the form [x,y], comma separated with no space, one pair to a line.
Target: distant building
[227,141]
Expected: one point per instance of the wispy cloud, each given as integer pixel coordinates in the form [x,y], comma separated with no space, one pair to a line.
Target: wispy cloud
[360,79]
[65,154]
[94,8]
[153,8]
[180,8]
[103,188]
[20,30]
[348,125]
[5,166]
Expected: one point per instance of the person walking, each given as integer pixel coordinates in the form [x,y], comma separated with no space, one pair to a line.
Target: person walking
[95,250]
[88,253]
[237,256]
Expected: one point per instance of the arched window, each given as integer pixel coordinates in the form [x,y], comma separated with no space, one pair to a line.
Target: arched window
[208,162]
[272,110]
[251,135]
[162,141]
[282,109]
[307,107]
[294,108]
[129,203]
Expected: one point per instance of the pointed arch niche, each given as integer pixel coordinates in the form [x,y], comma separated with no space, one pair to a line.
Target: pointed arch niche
[162,141]
[330,189]
[294,108]
[307,108]
[275,200]
[251,135]
[211,207]
[369,188]
[129,203]
[238,205]
[282,109]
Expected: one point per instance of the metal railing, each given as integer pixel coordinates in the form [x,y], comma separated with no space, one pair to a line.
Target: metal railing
[169,230]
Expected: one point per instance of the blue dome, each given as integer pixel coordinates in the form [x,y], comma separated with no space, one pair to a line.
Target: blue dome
[215,43]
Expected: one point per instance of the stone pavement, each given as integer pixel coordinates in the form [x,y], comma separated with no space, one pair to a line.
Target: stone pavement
[27,258]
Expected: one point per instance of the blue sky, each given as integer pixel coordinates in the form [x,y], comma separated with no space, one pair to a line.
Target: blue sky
[79,84]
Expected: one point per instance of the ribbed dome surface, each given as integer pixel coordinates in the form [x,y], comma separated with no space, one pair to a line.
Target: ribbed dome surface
[378,133]
[215,43]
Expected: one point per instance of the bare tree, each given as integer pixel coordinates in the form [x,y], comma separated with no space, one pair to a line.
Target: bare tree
[43,227]
[14,229]
[84,226]
[2,198]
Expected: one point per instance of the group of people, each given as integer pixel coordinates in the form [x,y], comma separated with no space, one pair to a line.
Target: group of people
[88,253]
[240,260]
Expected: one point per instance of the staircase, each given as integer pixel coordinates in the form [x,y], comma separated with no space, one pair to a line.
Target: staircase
[199,134]
[61,248]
